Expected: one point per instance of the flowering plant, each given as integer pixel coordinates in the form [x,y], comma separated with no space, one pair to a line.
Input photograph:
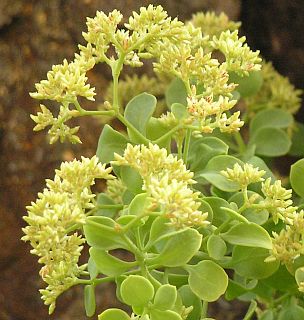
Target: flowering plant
[199,210]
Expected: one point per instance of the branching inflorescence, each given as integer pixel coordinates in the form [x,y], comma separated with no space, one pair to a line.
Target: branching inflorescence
[174,197]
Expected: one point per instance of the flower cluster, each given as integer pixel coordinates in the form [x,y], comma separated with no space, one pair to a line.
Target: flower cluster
[276,92]
[288,243]
[166,180]
[61,209]
[59,130]
[115,189]
[278,201]
[244,175]
[66,81]
[239,57]
[212,24]
[212,114]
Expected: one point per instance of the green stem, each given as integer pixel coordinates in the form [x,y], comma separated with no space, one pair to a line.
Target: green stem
[205,309]
[131,223]
[83,112]
[130,126]
[240,142]
[116,70]
[168,134]
[187,145]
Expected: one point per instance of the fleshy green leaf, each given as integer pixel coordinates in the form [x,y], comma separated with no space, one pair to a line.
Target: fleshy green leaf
[114,314]
[271,142]
[190,299]
[176,93]
[249,235]
[131,179]
[297,177]
[139,204]
[136,290]
[89,300]
[203,149]
[179,249]
[108,264]
[165,297]
[162,315]
[139,110]
[216,247]
[100,233]
[110,142]
[257,216]
[212,172]
[247,85]
[271,118]
[207,280]
[249,262]
[155,129]
[159,228]
[293,312]
[217,204]
[179,110]
[102,198]
[297,146]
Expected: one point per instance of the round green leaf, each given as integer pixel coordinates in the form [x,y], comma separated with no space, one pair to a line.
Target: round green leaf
[179,110]
[162,315]
[190,299]
[89,300]
[212,172]
[216,247]
[110,142]
[100,232]
[139,110]
[207,280]
[136,291]
[249,262]
[165,297]
[114,314]
[249,235]
[247,85]
[217,205]
[257,216]
[179,249]
[293,312]
[139,204]
[274,118]
[176,93]
[297,146]
[271,142]
[108,264]
[297,177]
[267,315]
[131,179]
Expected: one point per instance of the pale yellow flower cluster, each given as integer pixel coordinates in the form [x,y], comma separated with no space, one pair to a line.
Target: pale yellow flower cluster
[212,114]
[66,81]
[239,57]
[278,201]
[61,209]
[212,24]
[288,243]
[245,175]
[167,181]
[59,130]
[115,189]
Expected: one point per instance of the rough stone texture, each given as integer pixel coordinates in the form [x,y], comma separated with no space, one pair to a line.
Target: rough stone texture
[33,36]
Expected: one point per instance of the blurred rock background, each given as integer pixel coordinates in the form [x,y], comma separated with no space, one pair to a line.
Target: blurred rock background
[34,35]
